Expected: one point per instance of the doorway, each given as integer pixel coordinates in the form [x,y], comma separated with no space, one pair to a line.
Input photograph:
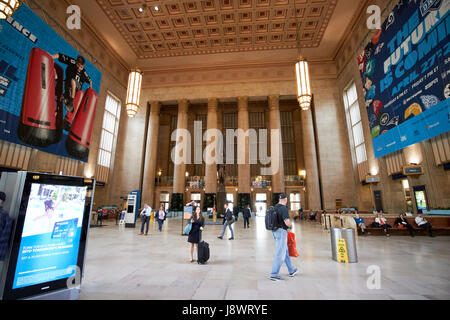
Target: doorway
[378,200]
[261,204]
[230,200]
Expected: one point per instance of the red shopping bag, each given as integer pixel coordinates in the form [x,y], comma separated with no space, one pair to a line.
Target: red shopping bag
[292,246]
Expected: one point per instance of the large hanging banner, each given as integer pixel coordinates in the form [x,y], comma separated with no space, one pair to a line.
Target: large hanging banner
[48,91]
[405,75]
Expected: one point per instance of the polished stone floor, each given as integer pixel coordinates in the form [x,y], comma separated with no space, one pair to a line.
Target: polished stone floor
[120,264]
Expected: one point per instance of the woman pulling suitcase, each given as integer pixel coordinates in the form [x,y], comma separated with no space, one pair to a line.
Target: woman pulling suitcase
[195,234]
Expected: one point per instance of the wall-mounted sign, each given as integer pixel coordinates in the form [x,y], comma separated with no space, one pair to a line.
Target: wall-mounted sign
[413,170]
[372,179]
[405,76]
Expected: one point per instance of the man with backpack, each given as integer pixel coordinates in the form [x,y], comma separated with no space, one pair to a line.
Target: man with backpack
[278,221]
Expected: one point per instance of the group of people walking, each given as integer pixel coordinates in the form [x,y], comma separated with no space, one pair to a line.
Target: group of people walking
[160,216]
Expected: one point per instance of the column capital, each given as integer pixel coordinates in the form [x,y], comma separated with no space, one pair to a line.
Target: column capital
[274,102]
[183,105]
[243,103]
[155,106]
[213,103]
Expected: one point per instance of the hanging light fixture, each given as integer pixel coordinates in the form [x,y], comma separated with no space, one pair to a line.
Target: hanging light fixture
[134,92]
[8,7]
[304,95]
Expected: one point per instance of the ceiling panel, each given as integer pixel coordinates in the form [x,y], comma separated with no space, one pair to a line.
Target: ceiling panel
[191,27]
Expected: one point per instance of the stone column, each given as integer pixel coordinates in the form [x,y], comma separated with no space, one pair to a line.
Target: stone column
[311,166]
[151,157]
[179,179]
[275,124]
[244,124]
[211,169]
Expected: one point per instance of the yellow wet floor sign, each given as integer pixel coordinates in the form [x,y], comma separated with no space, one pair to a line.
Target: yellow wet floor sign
[342,254]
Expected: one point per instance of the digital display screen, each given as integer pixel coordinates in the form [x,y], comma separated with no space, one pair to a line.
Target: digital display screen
[50,239]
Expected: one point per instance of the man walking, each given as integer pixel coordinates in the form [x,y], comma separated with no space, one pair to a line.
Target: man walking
[227,221]
[280,236]
[145,216]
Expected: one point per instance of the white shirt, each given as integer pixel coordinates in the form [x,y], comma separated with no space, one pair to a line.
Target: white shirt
[377,220]
[420,221]
[147,212]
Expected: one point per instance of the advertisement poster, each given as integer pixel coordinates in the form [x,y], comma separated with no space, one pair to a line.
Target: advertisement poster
[405,74]
[51,234]
[48,91]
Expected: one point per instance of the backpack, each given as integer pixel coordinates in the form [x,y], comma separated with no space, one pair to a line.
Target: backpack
[271,218]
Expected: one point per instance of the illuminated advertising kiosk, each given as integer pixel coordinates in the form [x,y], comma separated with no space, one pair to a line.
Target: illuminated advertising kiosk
[48,235]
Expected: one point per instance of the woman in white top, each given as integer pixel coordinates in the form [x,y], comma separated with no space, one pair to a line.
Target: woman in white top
[160,216]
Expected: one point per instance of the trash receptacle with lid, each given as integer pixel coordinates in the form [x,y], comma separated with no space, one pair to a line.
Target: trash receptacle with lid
[350,242]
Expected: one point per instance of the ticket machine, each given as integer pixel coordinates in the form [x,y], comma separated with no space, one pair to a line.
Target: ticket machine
[133,203]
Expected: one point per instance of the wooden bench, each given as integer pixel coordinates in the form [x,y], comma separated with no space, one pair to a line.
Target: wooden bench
[440,226]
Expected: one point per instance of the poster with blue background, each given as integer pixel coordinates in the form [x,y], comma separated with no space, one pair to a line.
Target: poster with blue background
[46,98]
[51,235]
[405,74]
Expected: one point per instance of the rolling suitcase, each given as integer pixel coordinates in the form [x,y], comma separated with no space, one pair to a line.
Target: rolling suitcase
[80,134]
[203,252]
[37,122]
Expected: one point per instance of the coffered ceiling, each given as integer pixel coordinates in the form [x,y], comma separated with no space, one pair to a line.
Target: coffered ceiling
[189,27]
[198,33]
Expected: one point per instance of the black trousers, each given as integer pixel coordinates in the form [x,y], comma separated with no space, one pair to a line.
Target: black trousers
[427,226]
[410,229]
[246,222]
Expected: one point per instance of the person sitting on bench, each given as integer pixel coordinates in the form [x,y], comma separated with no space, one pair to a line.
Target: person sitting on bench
[312,215]
[381,222]
[360,223]
[423,223]
[401,223]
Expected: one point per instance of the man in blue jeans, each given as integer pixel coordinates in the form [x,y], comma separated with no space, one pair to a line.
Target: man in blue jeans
[280,236]
[227,222]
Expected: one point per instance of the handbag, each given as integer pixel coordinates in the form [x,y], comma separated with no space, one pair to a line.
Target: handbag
[292,245]
[232,220]
[187,229]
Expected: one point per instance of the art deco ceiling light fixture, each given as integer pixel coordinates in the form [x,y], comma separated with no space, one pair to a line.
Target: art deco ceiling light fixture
[134,92]
[8,7]
[304,95]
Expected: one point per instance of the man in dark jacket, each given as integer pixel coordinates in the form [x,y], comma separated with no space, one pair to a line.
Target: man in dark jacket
[247,214]
[401,222]
[228,221]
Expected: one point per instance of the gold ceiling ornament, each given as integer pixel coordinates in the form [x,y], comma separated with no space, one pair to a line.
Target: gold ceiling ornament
[304,95]
[134,92]
[8,7]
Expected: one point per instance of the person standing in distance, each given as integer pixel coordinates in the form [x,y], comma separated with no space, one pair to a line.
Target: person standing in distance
[247,214]
[280,237]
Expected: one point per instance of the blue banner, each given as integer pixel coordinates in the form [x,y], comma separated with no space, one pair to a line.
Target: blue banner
[48,91]
[405,74]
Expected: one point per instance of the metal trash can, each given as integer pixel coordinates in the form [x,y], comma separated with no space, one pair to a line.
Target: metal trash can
[350,242]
